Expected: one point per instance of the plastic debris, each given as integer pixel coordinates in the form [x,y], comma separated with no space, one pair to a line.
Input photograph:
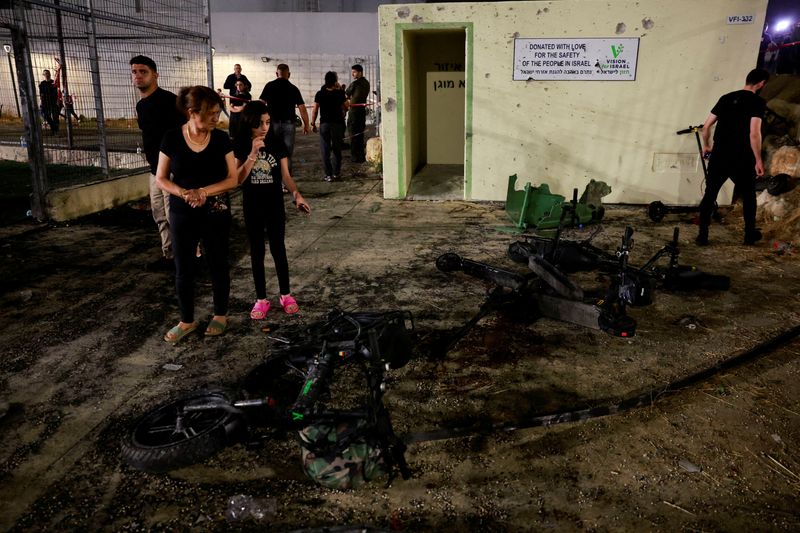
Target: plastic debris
[243,506]
[689,466]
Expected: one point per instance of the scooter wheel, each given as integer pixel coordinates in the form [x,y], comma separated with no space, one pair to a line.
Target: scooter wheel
[778,184]
[656,211]
[168,437]
[449,262]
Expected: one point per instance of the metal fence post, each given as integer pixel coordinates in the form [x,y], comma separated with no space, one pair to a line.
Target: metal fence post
[94,67]
[30,114]
[210,50]
[62,60]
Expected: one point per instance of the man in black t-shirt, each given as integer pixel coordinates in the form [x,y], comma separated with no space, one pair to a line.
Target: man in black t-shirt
[156,113]
[282,97]
[357,92]
[736,152]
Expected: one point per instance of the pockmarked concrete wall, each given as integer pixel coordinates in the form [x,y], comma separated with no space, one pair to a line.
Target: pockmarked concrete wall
[565,133]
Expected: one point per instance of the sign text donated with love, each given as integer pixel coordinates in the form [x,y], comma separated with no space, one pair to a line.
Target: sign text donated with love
[575,59]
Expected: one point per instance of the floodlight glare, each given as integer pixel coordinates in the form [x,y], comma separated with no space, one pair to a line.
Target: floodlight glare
[782,25]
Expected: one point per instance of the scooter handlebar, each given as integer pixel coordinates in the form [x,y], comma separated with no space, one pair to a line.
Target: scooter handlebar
[690,129]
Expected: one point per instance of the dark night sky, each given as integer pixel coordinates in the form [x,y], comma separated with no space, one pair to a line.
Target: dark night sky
[781,9]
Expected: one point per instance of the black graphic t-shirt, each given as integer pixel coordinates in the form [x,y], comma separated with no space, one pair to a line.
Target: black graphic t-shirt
[266,171]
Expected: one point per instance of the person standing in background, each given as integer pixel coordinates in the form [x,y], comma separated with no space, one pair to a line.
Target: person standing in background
[48,99]
[238,101]
[156,112]
[230,81]
[357,92]
[330,102]
[736,152]
[283,97]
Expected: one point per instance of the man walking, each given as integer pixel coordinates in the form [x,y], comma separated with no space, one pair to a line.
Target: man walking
[282,97]
[357,92]
[230,81]
[156,112]
[736,152]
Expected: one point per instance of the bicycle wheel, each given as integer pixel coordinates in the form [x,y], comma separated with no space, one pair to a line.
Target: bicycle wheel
[167,438]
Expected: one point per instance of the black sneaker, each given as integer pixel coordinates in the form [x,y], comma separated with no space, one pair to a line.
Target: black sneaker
[327,178]
[752,237]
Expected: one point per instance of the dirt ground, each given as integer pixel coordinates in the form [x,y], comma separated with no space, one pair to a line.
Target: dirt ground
[82,357]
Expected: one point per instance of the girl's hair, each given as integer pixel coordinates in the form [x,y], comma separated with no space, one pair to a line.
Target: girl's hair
[198,99]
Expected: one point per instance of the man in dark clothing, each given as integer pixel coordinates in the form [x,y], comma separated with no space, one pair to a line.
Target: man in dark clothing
[736,152]
[282,97]
[48,96]
[357,92]
[330,102]
[156,113]
[230,81]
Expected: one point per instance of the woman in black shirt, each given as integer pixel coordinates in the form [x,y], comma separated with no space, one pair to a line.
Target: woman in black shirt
[263,170]
[330,103]
[200,160]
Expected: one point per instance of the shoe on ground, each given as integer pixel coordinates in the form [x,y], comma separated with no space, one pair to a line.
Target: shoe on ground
[289,304]
[259,311]
[701,241]
[752,237]
[162,264]
[336,177]
[216,328]
[328,179]
[177,333]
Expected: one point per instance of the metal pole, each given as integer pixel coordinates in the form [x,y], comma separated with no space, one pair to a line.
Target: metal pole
[98,96]
[13,82]
[64,83]
[209,52]
[30,114]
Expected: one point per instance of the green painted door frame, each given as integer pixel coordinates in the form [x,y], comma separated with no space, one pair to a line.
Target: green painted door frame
[401,31]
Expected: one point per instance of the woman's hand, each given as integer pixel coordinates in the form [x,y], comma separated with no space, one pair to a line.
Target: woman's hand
[195,197]
[301,203]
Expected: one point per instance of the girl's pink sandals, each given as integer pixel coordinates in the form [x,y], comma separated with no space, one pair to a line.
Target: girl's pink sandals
[289,304]
[260,309]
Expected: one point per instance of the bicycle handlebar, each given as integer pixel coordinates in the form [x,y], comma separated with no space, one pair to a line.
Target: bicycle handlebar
[316,380]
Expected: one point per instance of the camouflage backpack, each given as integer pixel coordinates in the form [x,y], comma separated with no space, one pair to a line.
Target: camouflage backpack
[341,455]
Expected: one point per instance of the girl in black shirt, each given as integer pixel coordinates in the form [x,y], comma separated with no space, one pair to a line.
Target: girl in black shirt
[200,159]
[263,170]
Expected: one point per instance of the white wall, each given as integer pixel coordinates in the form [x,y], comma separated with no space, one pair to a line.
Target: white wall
[298,33]
[310,43]
[567,132]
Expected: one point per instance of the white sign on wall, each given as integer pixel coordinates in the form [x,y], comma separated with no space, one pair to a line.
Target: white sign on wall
[576,59]
[741,19]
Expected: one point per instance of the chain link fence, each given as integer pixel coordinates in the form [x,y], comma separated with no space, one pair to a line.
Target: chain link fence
[86,46]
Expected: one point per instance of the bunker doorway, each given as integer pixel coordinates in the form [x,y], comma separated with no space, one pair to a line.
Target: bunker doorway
[436,75]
